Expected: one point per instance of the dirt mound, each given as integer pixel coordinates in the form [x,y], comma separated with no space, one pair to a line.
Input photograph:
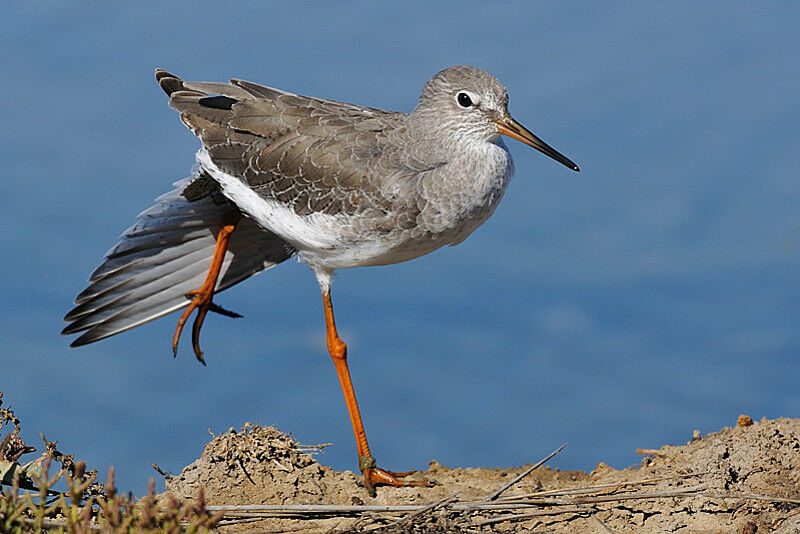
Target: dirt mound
[262,465]
[743,479]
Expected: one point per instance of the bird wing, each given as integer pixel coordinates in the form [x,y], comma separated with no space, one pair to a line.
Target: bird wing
[164,256]
[310,154]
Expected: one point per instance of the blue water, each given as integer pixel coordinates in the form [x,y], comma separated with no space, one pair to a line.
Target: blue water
[650,295]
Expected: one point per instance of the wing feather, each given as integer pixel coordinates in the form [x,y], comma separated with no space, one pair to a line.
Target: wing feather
[165,255]
[309,154]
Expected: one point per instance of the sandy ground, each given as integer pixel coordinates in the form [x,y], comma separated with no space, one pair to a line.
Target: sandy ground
[742,480]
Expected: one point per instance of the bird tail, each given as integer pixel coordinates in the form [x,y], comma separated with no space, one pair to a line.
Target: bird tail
[165,255]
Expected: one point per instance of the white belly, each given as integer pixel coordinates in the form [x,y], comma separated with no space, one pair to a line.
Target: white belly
[454,205]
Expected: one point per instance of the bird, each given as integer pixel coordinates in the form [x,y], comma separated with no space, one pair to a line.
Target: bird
[337,185]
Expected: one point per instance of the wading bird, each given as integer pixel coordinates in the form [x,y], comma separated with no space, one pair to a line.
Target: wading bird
[336,184]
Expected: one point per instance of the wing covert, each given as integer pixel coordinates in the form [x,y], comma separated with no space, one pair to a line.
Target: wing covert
[312,154]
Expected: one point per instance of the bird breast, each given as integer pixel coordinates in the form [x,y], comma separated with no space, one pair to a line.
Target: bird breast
[461,195]
[454,199]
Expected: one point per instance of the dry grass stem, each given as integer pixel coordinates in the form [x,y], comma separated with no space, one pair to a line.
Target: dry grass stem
[525,473]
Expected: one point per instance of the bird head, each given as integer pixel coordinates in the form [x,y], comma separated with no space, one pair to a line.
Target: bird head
[472,104]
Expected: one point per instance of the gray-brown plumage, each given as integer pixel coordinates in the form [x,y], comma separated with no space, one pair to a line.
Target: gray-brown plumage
[341,185]
[337,184]
[311,154]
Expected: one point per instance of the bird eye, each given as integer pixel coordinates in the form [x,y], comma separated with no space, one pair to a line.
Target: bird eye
[464,100]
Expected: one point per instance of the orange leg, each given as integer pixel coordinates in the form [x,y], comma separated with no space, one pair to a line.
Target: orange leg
[373,475]
[202,297]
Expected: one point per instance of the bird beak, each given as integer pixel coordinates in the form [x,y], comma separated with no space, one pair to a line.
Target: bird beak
[512,128]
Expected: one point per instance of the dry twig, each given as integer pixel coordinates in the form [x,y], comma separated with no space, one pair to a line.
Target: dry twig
[525,473]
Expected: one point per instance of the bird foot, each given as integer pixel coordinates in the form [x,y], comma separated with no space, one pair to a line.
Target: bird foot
[201,298]
[201,301]
[375,476]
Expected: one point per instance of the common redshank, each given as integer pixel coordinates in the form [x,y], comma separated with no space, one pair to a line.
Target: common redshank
[338,185]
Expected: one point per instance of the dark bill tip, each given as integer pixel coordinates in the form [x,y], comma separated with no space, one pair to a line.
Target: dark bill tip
[510,127]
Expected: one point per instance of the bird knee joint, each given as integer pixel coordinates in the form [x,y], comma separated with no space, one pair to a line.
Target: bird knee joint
[338,349]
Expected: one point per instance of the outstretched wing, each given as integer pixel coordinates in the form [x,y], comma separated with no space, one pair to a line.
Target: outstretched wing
[166,255]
